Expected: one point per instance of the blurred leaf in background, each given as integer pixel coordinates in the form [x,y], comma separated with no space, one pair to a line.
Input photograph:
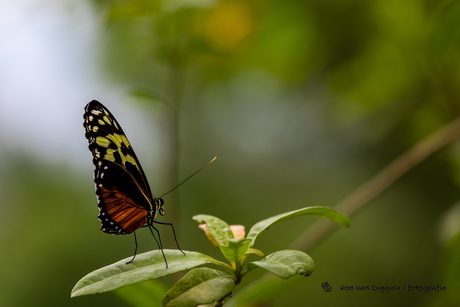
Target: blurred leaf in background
[302,102]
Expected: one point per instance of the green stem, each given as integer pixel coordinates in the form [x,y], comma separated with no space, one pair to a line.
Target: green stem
[380,182]
[374,187]
[177,85]
[220,302]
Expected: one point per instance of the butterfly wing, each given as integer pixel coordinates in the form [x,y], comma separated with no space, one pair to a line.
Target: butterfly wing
[122,206]
[124,196]
[107,141]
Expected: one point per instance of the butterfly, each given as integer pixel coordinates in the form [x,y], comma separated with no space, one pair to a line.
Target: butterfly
[125,200]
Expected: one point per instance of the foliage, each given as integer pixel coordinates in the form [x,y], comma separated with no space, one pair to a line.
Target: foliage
[304,101]
[202,285]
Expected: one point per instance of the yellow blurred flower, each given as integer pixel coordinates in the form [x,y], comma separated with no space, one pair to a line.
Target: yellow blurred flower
[228,25]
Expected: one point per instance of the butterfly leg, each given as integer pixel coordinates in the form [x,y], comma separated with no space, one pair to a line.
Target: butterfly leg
[160,245]
[135,249]
[174,233]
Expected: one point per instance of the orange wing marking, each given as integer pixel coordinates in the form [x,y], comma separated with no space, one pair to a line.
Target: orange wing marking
[123,210]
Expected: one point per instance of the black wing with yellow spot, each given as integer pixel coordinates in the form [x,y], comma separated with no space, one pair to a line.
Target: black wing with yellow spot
[124,198]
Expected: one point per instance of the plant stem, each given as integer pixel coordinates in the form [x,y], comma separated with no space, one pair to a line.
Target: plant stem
[374,187]
[220,302]
[380,182]
[177,85]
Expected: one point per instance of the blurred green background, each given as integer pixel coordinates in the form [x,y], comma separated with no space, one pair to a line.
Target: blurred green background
[302,102]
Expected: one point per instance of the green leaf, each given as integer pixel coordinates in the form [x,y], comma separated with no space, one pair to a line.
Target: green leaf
[219,229]
[199,286]
[255,251]
[146,266]
[242,249]
[236,249]
[147,293]
[326,212]
[286,263]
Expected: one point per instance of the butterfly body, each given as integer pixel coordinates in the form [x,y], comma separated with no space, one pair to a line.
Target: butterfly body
[125,201]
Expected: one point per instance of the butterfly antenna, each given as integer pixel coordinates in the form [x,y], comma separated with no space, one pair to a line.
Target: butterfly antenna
[189,177]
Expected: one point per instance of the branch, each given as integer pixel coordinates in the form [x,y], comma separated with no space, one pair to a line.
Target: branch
[380,182]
